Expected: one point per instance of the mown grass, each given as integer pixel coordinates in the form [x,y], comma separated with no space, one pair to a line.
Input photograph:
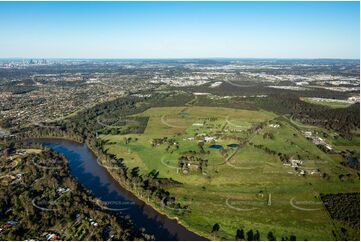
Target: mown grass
[241,180]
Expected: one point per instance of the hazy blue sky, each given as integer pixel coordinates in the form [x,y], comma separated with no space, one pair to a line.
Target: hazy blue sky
[180,29]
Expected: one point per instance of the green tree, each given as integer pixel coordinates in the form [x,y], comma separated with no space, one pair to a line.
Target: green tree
[270,236]
[257,236]
[215,229]
[240,234]
[250,235]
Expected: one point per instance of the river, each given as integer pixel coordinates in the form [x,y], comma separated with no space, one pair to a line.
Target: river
[88,172]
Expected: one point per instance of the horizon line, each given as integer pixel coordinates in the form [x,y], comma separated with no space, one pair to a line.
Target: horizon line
[181,58]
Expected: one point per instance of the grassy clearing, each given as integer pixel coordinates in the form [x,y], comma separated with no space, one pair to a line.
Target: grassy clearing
[34,151]
[332,103]
[242,187]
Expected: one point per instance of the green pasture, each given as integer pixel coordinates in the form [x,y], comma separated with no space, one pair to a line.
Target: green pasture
[235,188]
[328,102]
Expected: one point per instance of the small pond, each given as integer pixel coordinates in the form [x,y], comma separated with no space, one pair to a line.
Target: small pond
[216,146]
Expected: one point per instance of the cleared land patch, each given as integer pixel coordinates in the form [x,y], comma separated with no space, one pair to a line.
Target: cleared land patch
[235,168]
[333,103]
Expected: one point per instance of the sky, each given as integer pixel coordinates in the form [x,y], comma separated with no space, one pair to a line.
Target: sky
[180,29]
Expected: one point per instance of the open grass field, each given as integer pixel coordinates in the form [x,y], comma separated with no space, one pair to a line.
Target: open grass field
[243,186]
[333,103]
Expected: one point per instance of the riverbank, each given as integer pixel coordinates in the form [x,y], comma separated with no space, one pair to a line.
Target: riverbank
[149,203]
[155,207]
[47,200]
[157,216]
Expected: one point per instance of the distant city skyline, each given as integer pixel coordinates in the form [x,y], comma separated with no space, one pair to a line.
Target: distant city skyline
[176,30]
